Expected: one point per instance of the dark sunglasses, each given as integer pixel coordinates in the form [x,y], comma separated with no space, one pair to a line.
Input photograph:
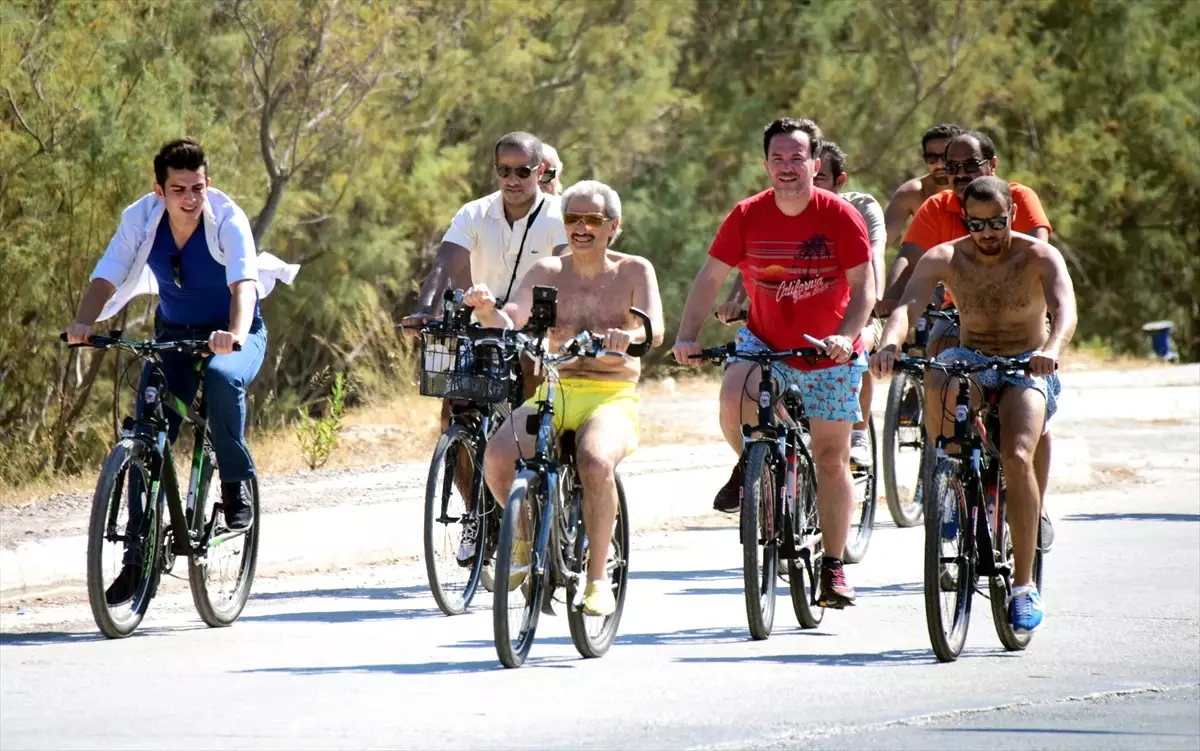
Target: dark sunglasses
[975,224]
[933,157]
[591,221]
[547,176]
[176,264]
[967,167]
[503,170]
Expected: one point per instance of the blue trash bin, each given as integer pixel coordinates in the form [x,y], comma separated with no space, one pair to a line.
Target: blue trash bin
[1160,338]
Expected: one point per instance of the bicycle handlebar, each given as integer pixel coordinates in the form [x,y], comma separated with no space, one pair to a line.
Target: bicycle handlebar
[146,349]
[718,355]
[920,364]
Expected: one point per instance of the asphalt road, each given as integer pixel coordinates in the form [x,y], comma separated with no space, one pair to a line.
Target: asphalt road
[364,660]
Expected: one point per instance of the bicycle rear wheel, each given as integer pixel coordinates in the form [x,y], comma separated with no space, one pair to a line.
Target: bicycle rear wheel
[805,577]
[760,551]
[949,566]
[517,601]
[451,503]
[594,634]
[114,540]
[866,491]
[904,448]
[221,580]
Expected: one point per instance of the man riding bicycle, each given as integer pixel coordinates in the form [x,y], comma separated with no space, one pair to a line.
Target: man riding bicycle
[1003,283]
[807,263]
[596,288]
[193,246]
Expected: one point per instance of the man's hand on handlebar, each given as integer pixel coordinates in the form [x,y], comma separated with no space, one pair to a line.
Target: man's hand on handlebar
[480,298]
[1044,362]
[410,323]
[838,348]
[78,333]
[224,342]
[883,361]
[685,350]
[617,340]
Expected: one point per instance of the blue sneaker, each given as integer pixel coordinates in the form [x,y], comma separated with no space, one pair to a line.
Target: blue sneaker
[950,522]
[1025,611]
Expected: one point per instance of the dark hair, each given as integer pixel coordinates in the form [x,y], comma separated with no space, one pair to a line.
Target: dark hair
[791,125]
[832,155]
[987,188]
[987,149]
[527,142]
[939,132]
[182,153]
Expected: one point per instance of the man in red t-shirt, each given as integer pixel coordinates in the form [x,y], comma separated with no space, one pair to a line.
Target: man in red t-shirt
[806,261]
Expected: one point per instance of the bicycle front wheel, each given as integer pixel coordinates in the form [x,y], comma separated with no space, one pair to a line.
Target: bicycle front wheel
[949,565]
[1000,592]
[455,531]
[760,549]
[904,448]
[517,600]
[124,535]
[594,634]
[866,491]
[221,578]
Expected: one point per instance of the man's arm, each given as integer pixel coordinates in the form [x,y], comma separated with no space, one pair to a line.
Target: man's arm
[930,270]
[244,293]
[451,265]
[862,301]
[647,299]
[1060,302]
[904,203]
[872,215]
[98,292]
[902,271]
[700,300]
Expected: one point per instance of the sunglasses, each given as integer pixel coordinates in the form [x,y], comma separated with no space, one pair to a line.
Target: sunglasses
[933,157]
[591,221]
[547,176]
[967,167]
[503,170]
[176,264]
[975,224]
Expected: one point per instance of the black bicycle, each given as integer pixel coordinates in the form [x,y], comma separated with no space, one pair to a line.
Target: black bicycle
[139,519]
[543,537]
[483,381]
[966,532]
[904,454]
[779,515]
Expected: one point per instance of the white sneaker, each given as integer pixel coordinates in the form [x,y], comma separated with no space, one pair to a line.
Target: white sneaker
[466,548]
[860,449]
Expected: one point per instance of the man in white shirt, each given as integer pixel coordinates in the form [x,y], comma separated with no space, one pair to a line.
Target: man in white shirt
[551,179]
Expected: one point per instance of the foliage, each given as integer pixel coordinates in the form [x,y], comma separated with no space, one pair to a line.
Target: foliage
[318,438]
[352,131]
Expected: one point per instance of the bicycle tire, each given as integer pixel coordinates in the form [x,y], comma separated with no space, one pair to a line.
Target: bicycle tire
[442,473]
[523,498]
[803,582]
[760,553]
[947,639]
[218,611]
[1000,594]
[114,477]
[906,512]
[861,527]
[586,644]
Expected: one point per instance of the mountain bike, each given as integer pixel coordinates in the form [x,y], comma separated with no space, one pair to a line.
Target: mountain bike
[904,455]
[138,517]
[966,532]
[545,512]
[779,515]
[483,381]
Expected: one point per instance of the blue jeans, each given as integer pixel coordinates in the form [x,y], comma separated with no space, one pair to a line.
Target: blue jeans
[225,382]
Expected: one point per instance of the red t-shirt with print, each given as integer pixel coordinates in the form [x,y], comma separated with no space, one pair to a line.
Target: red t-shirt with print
[795,266]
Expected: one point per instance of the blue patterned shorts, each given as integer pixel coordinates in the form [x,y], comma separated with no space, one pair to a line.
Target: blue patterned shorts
[1048,386]
[830,394]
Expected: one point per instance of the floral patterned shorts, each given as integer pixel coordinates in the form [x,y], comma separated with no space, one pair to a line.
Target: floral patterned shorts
[829,394]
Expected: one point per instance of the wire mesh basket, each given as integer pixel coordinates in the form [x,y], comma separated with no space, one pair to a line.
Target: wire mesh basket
[456,367]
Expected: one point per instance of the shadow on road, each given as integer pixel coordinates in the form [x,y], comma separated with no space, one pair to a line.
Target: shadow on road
[709,591]
[421,668]
[1066,731]
[1130,516]
[691,636]
[849,659]
[705,575]
[891,590]
[35,638]
[350,593]
[345,616]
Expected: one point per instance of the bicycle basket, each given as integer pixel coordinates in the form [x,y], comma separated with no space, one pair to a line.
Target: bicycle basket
[454,367]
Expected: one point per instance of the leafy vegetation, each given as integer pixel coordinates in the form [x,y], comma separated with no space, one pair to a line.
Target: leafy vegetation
[351,132]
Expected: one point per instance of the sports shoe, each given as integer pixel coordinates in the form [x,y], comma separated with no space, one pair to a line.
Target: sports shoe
[518,568]
[949,520]
[835,592]
[466,547]
[1025,611]
[123,587]
[235,499]
[909,413]
[1047,531]
[860,449]
[948,579]
[728,498]
[598,599]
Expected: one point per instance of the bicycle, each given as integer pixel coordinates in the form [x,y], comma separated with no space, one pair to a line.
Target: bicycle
[485,382]
[904,452]
[779,515]
[221,562]
[545,508]
[966,482]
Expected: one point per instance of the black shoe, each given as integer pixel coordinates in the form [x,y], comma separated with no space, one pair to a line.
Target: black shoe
[125,585]
[728,497]
[835,592]
[235,499]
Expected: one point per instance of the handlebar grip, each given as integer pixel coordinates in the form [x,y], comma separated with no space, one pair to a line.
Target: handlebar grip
[641,348]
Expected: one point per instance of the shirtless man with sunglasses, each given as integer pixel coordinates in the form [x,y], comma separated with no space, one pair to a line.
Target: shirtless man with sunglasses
[1004,283]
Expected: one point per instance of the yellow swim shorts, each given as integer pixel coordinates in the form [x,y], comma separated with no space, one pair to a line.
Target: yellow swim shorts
[577,400]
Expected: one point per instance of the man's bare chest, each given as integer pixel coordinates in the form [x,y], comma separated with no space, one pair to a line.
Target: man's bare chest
[999,290]
[593,304]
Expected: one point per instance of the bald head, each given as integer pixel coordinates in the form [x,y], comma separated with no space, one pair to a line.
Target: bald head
[551,181]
